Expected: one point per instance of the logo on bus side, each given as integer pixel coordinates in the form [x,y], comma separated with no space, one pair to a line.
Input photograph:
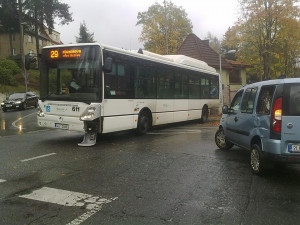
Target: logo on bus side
[47,108]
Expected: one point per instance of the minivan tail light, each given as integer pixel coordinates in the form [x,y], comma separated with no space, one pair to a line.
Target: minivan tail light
[276,115]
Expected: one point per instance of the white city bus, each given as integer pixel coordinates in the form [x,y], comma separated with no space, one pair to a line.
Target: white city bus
[100,89]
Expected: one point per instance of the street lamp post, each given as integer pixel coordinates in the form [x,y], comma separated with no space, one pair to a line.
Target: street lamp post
[22,53]
[21,23]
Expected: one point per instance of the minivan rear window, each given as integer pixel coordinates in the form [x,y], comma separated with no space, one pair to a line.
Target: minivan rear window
[292,94]
[265,100]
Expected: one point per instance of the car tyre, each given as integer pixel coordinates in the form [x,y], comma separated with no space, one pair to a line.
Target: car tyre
[221,140]
[257,161]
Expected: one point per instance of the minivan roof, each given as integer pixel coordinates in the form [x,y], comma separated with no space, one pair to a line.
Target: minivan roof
[272,82]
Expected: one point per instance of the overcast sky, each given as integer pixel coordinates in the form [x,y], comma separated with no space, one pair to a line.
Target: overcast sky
[113,22]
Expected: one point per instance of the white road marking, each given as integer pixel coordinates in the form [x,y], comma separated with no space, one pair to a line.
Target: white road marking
[2,181]
[14,123]
[37,157]
[69,198]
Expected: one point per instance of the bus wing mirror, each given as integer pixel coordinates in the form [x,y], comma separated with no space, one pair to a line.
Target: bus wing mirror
[107,67]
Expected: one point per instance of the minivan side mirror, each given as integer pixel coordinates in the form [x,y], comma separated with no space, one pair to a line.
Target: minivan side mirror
[107,67]
[225,109]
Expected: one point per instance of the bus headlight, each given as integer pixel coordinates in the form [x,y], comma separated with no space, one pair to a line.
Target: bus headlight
[91,113]
[40,112]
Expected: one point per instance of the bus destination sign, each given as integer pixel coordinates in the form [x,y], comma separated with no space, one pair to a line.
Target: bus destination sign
[72,53]
[65,53]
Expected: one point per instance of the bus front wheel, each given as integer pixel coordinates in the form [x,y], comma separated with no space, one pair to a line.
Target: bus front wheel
[144,123]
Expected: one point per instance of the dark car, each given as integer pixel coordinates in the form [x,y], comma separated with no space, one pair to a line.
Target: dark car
[20,101]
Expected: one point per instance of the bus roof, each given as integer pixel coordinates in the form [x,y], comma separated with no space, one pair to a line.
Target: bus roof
[175,60]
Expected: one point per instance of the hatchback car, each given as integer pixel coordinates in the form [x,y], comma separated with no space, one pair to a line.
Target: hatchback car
[20,101]
[264,117]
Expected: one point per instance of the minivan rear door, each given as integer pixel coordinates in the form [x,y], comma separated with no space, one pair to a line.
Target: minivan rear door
[290,135]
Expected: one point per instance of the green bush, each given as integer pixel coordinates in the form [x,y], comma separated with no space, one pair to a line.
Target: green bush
[10,65]
[5,76]
[8,69]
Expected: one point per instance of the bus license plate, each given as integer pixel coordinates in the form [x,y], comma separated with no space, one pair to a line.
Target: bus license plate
[62,126]
[294,148]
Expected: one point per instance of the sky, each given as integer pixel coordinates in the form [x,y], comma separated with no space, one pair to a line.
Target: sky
[113,22]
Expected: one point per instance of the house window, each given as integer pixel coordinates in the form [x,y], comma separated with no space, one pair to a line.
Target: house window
[235,77]
[14,51]
[41,42]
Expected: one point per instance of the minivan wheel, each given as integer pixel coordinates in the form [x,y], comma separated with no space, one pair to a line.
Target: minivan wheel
[257,162]
[221,141]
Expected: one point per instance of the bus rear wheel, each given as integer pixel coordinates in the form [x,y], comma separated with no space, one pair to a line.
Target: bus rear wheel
[204,116]
[144,123]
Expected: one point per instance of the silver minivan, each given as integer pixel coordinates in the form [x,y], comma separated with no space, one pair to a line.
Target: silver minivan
[264,117]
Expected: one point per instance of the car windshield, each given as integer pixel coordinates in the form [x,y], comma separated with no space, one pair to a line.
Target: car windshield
[16,96]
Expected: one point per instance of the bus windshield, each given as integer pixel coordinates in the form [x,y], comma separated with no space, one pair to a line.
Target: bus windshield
[71,80]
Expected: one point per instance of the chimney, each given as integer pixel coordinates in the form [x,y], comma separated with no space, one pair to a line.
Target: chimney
[206,42]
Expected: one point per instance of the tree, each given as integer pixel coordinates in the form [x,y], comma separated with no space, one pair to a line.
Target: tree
[84,35]
[265,36]
[9,19]
[214,42]
[40,12]
[164,27]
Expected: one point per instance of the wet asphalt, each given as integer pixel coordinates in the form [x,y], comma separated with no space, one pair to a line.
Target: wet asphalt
[173,175]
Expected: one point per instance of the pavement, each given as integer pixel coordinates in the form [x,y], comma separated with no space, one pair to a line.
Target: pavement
[213,120]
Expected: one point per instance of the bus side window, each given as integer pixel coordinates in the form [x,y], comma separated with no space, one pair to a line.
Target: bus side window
[145,82]
[110,81]
[180,86]
[165,84]
[118,82]
[214,88]
[194,86]
[205,84]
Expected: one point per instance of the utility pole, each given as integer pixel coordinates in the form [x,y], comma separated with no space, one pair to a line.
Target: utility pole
[21,24]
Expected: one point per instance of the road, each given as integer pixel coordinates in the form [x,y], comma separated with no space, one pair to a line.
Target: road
[12,122]
[173,175]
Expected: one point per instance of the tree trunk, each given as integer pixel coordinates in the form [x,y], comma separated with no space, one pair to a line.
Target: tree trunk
[10,35]
[267,65]
[36,30]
